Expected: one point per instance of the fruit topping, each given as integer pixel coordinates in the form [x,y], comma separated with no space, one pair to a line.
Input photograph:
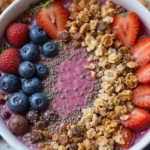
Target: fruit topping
[126,27]
[10,60]
[30,52]
[41,70]
[2,101]
[38,101]
[143,74]
[10,83]
[38,35]
[32,116]
[138,118]
[26,69]
[49,49]
[50,116]
[6,115]
[141,51]
[141,96]
[31,86]
[18,125]
[53,19]
[128,138]
[18,103]
[17,34]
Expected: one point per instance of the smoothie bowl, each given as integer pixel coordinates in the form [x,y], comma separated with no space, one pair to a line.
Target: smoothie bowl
[75,75]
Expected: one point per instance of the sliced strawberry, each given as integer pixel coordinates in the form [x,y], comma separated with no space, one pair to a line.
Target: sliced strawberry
[128,138]
[138,118]
[141,96]
[53,19]
[141,51]
[143,74]
[126,28]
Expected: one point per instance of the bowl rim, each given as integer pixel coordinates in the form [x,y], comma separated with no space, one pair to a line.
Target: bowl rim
[4,131]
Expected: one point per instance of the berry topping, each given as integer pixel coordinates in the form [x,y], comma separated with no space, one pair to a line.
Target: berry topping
[50,116]
[26,69]
[138,118]
[10,60]
[18,102]
[128,138]
[30,52]
[2,101]
[31,86]
[141,96]
[143,74]
[49,49]
[32,116]
[126,28]
[41,70]
[6,115]
[53,19]
[17,34]
[9,83]
[18,125]
[38,101]
[38,35]
[141,51]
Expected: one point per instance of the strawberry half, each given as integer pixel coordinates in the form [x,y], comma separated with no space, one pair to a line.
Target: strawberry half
[10,60]
[128,138]
[126,28]
[138,118]
[141,51]
[141,96]
[53,19]
[143,74]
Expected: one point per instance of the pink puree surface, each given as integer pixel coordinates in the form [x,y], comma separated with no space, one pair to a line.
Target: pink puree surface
[70,71]
[77,88]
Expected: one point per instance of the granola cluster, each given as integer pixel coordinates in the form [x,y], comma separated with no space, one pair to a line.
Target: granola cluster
[89,26]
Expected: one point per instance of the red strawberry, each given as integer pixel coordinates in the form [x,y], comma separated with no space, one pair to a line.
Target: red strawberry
[143,74]
[10,60]
[141,51]
[138,118]
[17,34]
[53,19]
[141,96]
[128,138]
[126,28]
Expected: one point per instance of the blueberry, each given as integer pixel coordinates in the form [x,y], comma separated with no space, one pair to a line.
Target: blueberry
[38,101]
[31,86]
[26,69]
[10,83]
[30,52]
[18,102]
[41,70]
[38,35]
[50,49]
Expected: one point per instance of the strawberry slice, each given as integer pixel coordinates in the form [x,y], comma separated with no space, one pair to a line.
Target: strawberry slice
[143,74]
[141,51]
[53,19]
[128,138]
[141,96]
[138,118]
[126,28]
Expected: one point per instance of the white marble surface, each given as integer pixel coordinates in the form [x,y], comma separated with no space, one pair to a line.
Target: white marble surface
[4,145]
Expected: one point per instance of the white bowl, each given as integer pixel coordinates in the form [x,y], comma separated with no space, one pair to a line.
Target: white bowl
[19,6]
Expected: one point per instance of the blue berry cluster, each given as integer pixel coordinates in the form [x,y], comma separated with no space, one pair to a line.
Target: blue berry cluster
[26,87]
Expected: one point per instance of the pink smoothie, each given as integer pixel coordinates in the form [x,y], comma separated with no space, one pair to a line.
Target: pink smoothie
[74,83]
